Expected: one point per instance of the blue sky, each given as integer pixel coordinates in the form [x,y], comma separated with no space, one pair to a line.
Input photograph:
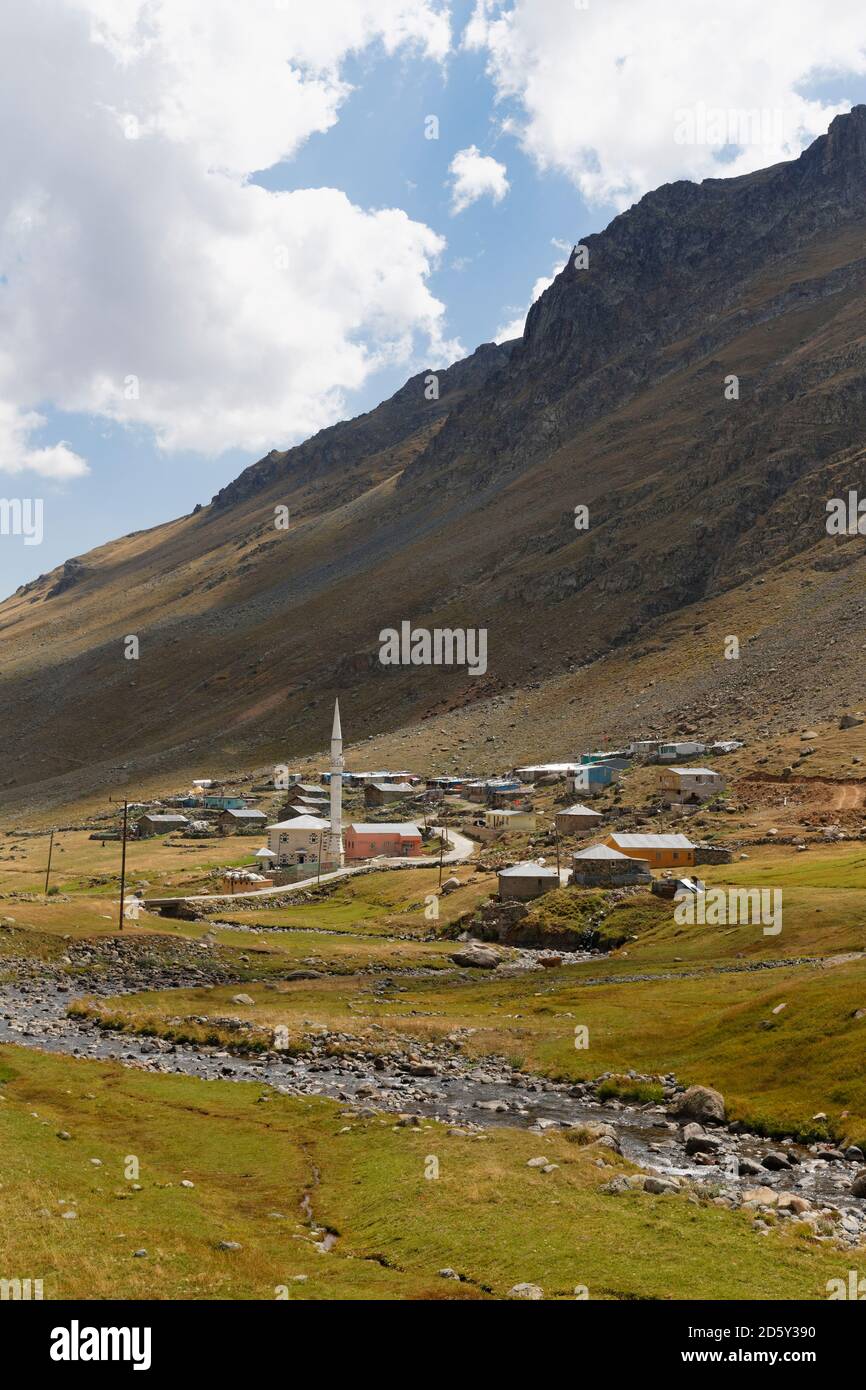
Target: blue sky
[525,96]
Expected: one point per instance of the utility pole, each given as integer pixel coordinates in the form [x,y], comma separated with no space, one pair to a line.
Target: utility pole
[319,863]
[556,833]
[123,866]
[48,868]
[441,851]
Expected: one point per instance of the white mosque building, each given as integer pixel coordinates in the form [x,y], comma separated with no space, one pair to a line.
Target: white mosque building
[310,839]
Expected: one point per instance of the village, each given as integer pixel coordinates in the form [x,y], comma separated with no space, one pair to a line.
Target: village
[545,961]
[525,819]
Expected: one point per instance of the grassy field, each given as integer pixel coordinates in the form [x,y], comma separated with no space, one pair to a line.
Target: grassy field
[781,1043]
[251,1156]
[81,866]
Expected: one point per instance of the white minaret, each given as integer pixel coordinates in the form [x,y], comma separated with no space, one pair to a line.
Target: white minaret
[335,848]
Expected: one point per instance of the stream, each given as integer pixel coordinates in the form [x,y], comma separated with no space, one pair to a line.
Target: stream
[459,1093]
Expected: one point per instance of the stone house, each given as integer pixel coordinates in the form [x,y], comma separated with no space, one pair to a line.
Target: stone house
[524,881]
[603,867]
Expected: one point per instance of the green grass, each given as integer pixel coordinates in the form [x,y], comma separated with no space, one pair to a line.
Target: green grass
[486,1214]
[717,1029]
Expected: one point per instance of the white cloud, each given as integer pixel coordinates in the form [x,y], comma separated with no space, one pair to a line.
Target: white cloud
[56,461]
[475,175]
[625,96]
[146,279]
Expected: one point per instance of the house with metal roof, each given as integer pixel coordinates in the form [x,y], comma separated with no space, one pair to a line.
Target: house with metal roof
[576,818]
[232,822]
[684,785]
[154,824]
[659,851]
[525,881]
[368,840]
[380,793]
[601,866]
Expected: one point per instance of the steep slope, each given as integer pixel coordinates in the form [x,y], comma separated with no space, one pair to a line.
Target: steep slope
[706,518]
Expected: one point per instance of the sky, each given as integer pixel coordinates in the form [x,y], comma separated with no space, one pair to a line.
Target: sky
[224,226]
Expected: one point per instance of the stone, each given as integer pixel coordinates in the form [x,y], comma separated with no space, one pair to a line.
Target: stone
[448,1274]
[790,1201]
[242,999]
[661,1186]
[537,1163]
[858,1186]
[748,1167]
[775,1161]
[616,1186]
[476,957]
[703,1144]
[530,1291]
[699,1103]
[760,1197]
[229,1245]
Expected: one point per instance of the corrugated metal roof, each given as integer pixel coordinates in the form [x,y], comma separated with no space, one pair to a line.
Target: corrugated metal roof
[695,771]
[653,841]
[385,828]
[300,823]
[600,852]
[529,870]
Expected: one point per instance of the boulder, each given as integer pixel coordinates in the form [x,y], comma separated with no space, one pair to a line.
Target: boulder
[790,1201]
[663,1187]
[699,1103]
[760,1197]
[242,999]
[476,957]
[748,1167]
[849,721]
[775,1161]
[530,1291]
[858,1186]
[703,1144]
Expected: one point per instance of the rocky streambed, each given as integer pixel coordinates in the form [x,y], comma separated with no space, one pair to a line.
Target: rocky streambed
[680,1142]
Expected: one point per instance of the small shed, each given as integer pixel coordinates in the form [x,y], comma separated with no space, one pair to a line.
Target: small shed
[575,818]
[525,881]
[381,793]
[241,822]
[152,824]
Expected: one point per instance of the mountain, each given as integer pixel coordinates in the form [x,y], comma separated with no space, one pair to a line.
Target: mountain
[707,519]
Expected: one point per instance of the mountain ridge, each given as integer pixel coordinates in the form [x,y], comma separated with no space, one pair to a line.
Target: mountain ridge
[459,510]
